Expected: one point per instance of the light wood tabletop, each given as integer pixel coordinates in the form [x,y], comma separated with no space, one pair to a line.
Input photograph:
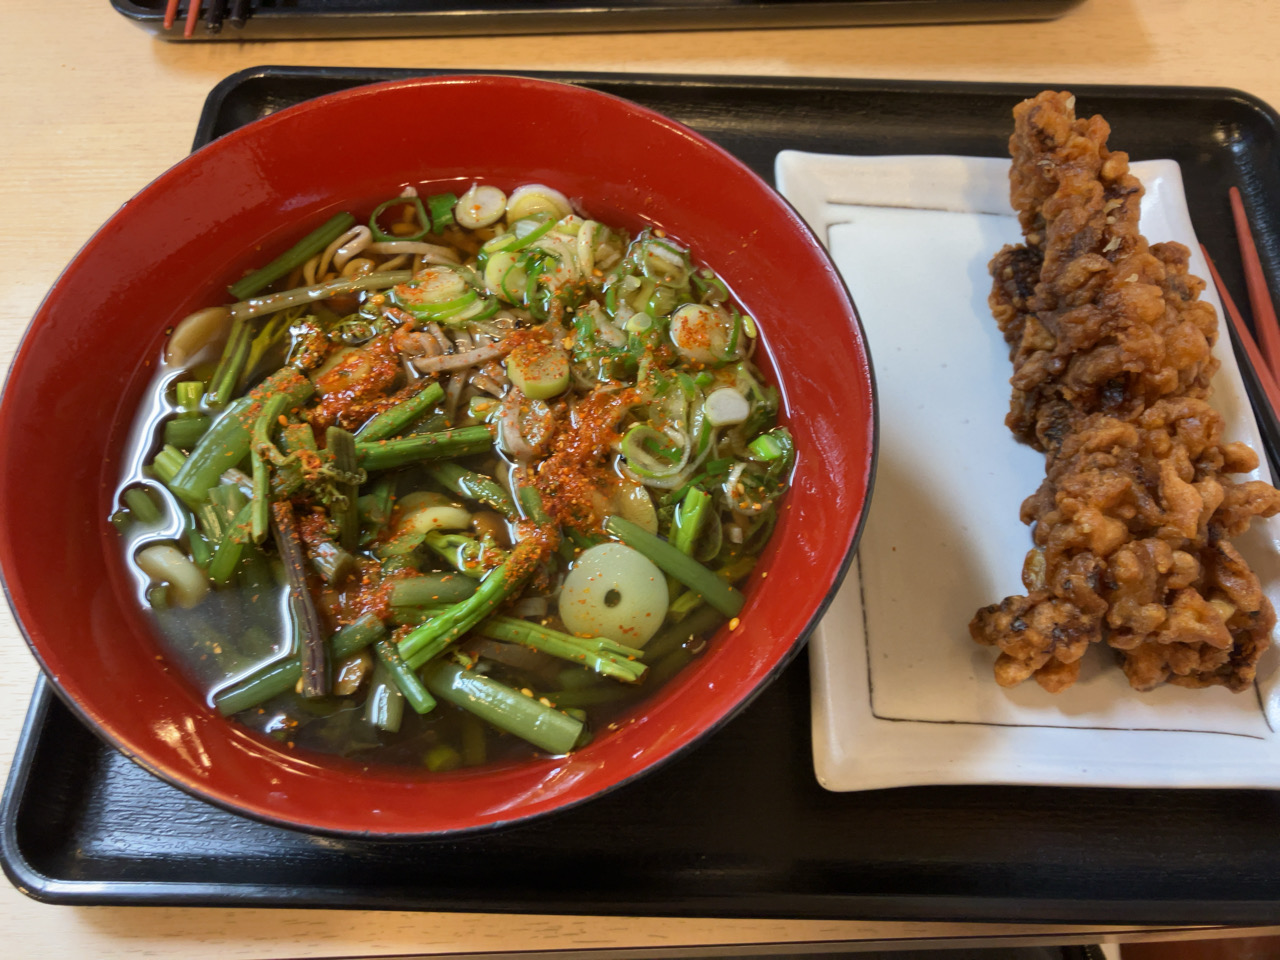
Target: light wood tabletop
[93,108]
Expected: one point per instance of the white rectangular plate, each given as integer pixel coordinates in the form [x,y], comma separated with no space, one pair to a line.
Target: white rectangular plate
[901,694]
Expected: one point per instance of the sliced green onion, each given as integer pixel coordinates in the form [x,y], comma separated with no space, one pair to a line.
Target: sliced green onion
[480,309]
[652,454]
[538,370]
[735,334]
[766,447]
[441,206]
[446,310]
[533,271]
[533,236]
[516,277]
[382,236]
[435,292]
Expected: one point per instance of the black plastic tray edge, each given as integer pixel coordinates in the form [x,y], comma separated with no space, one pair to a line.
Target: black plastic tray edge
[46,889]
[21,873]
[481,17]
[922,908]
[219,93]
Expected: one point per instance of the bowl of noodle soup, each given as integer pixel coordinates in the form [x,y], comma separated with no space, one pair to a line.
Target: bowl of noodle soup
[659,202]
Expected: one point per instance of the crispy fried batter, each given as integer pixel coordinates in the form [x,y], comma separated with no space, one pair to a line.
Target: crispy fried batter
[1097,321]
[1111,350]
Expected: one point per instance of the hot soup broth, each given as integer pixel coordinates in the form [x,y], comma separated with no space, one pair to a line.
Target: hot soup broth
[457,484]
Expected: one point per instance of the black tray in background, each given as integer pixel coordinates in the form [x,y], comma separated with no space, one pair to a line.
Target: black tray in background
[332,19]
[738,827]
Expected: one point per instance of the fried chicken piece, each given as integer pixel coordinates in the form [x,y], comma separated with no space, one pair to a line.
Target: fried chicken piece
[1038,635]
[1097,321]
[1111,350]
[1205,642]
[1130,527]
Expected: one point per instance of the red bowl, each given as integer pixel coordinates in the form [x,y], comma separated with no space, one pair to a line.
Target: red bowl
[81,371]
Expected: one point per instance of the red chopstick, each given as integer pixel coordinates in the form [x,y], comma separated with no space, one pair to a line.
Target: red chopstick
[1260,368]
[193,15]
[170,14]
[1264,312]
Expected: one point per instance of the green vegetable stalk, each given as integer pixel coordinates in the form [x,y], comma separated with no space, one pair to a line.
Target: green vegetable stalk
[429,640]
[228,439]
[604,656]
[684,568]
[302,251]
[277,678]
[385,454]
[507,709]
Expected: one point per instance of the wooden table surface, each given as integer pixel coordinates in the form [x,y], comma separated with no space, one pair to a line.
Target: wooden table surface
[93,108]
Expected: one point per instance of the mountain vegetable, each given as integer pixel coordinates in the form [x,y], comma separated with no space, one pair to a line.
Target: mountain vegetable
[481,456]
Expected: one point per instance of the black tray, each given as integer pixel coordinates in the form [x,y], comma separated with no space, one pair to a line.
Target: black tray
[739,827]
[317,19]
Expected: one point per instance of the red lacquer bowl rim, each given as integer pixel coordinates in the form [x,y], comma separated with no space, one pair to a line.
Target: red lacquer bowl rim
[780,652]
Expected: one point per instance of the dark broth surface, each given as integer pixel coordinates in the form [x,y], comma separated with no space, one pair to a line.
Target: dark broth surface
[458,485]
